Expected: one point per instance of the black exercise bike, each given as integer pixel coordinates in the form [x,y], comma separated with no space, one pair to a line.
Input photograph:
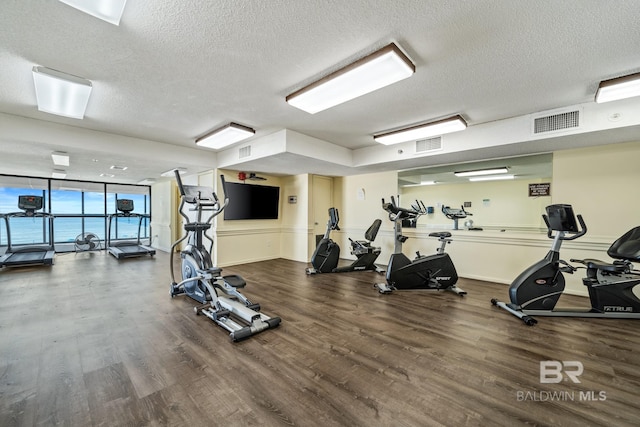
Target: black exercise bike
[536,290]
[426,272]
[325,257]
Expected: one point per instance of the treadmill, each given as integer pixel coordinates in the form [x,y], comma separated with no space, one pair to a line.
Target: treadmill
[127,248]
[27,255]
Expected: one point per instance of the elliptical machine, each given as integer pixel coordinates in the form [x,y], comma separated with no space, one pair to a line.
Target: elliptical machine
[218,295]
[325,257]
[610,285]
[426,272]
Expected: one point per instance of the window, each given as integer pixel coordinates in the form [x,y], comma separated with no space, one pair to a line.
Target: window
[23,230]
[79,207]
[127,227]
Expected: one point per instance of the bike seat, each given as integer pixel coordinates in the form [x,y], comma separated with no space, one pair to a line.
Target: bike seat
[603,266]
[440,234]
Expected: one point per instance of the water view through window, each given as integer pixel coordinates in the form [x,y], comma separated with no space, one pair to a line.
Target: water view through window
[78,207]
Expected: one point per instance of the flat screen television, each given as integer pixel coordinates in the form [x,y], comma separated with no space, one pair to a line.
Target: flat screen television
[248,201]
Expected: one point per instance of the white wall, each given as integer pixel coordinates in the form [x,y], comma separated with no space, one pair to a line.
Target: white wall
[598,182]
[359,201]
[161,215]
[295,218]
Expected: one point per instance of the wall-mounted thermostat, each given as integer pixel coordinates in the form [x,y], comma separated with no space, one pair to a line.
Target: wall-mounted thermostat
[293,199]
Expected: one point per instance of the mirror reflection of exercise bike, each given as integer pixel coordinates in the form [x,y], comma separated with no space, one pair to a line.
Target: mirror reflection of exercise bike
[325,257]
[536,290]
[456,215]
[219,296]
[426,272]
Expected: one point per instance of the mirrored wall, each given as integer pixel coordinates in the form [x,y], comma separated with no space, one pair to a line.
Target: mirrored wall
[501,194]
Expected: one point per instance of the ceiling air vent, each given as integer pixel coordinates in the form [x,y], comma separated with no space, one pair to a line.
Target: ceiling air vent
[557,122]
[429,144]
[244,152]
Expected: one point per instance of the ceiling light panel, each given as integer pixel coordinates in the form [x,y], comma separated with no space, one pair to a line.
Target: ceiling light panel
[377,70]
[225,136]
[491,178]
[480,172]
[61,94]
[107,10]
[60,158]
[619,88]
[170,172]
[59,174]
[427,130]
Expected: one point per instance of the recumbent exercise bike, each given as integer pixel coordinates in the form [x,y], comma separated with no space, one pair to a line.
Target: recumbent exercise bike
[325,257]
[426,272]
[219,297]
[610,285]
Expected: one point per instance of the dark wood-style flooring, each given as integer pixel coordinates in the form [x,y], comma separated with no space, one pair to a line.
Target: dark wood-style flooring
[93,341]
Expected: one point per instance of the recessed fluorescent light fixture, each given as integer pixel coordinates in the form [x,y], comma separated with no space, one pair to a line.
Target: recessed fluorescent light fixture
[107,175]
[60,158]
[491,178]
[147,181]
[60,93]
[224,136]
[480,172]
[59,174]
[619,88]
[426,130]
[170,172]
[107,10]
[118,168]
[421,184]
[377,70]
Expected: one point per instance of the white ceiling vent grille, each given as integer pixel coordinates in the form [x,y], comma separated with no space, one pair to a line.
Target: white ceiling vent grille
[244,152]
[557,122]
[429,144]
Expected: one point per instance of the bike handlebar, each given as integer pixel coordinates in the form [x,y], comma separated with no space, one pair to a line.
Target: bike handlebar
[580,233]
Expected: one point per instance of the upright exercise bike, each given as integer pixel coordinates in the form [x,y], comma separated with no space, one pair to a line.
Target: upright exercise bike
[426,272]
[325,257]
[219,297]
[536,290]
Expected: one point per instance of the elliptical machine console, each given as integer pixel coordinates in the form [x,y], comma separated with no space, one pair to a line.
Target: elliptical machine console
[610,285]
[426,272]
[219,297]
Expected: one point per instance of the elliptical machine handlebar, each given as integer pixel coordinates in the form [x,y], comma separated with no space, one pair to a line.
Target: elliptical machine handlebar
[204,198]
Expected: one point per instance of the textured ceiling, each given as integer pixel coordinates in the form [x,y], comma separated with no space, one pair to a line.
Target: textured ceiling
[174,70]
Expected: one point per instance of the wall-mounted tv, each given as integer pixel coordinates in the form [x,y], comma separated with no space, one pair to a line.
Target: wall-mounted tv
[248,201]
